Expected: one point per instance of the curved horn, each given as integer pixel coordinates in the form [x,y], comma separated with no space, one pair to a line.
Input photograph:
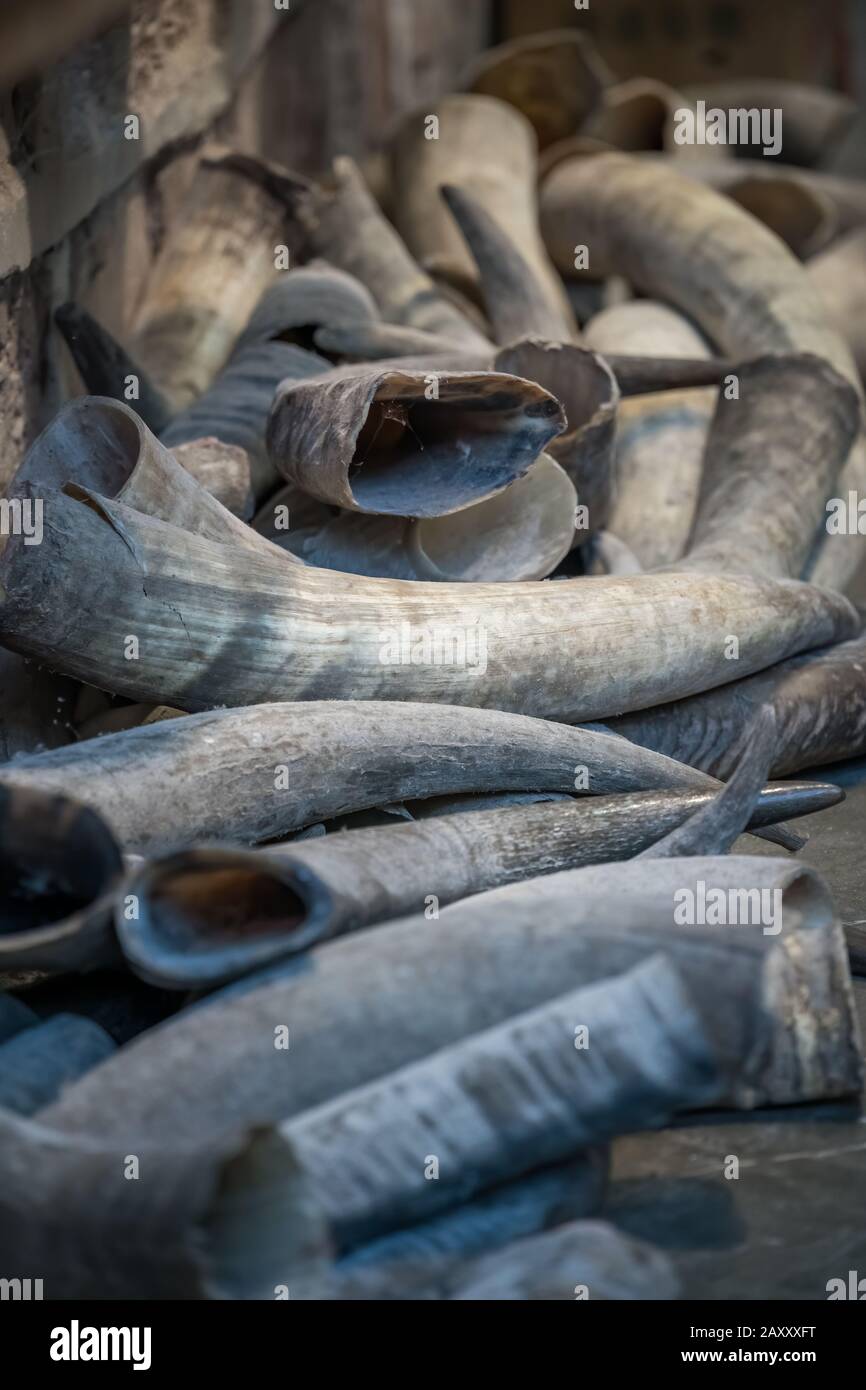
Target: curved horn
[106,368]
[344,225]
[684,243]
[522,533]
[813,120]
[312,298]
[800,418]
[409,443]
[101,444]
[554,78]
[806,210]
[206,281]
[580,1254]
[488,147]
[223,470]
[819,703]
[425,1256]
[225,1217]
[205,916]
[640,114]
[714,828]
[36,706]
[373,341]
[844,198]
[335,757]
[838,275]
[38,1062]
[534,1097]
[802,215]
[236,407]
[519,303]
[777,1007]
[60,863]
[219,626]
[606,554]
[660,439]
[584,383]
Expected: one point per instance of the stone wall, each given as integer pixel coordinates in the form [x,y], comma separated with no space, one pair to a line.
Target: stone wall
[84,208]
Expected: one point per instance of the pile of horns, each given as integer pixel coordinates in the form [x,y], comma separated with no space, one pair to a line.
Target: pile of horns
[366,690]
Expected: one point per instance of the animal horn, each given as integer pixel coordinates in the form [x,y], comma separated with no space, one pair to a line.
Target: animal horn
[686,244]
[387,441]
[393,752]
[215,1219]
[300,894]
[105,368]
[777,1006]
[488,147]
[577,649]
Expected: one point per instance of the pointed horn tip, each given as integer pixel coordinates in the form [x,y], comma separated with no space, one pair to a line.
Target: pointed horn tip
[805,798]
[70,318]
[459,201]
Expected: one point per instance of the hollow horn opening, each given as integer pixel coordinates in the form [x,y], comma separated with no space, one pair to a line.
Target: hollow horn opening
[420,457]
[56,858]
[96,442]
[205,915]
